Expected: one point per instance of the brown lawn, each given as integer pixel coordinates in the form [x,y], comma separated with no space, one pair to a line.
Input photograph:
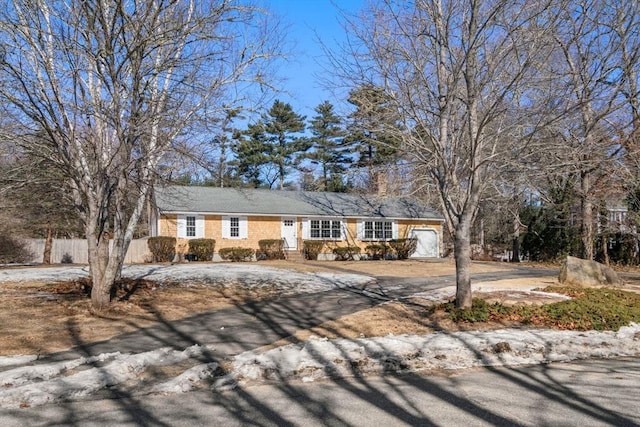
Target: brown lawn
[40,317]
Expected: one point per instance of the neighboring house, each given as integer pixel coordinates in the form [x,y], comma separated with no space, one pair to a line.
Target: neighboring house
[242,217]
[616,221]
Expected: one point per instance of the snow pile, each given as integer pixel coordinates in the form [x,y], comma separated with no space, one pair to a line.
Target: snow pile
[80,378]
[319,358]
[187,380]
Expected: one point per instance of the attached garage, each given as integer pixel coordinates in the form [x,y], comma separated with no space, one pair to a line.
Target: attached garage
[427,245]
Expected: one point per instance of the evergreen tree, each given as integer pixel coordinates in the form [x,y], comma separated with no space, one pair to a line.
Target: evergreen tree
[250,152]
[552,229]
[283,148]
[330,151]
[267,150]
[369,130]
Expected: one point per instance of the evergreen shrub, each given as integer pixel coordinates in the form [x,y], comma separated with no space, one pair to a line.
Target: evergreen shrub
[202,249]
[403,248]
[163,248]
[346,253]
[236,254]
[271,249]
[312,248]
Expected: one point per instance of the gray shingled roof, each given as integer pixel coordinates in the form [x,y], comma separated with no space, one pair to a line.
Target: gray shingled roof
[214,200]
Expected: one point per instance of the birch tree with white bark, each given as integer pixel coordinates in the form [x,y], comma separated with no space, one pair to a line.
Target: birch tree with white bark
[112,86]
[458,72]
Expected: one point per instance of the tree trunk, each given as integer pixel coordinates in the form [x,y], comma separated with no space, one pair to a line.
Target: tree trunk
[462,253]
[605,247]
[515,255]
[587,217]
[102,278]
[48,245]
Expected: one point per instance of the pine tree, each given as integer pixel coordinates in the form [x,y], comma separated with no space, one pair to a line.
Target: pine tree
[369,131]
[250,152]
[329,149]
[283,148]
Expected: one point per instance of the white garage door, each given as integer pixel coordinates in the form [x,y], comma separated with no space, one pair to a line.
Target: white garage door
[427,246]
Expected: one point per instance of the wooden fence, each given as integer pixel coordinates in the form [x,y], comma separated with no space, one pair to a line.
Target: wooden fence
[75,250]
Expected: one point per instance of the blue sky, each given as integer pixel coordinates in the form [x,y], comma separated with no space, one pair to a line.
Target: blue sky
[307,21]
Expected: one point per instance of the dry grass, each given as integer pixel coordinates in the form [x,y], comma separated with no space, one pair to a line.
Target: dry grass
[39,318]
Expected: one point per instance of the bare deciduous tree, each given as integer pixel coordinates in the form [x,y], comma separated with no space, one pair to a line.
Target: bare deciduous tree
[458,72]
[588,69]
[113,85]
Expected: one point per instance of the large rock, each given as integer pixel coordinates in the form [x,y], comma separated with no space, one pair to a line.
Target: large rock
[581,272]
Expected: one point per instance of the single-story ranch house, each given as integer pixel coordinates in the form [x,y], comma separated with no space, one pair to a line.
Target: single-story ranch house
[242,217]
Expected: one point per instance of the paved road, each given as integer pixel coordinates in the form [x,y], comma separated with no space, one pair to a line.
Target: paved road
[588,393]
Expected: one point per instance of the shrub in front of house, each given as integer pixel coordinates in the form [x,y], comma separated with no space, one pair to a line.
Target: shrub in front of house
[311,249]
[202,249]
[346,253]
[163,248]
[377,251]
[403,248]
[236,254]
[271,249]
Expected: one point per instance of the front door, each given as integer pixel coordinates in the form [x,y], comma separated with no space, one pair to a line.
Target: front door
[289,233]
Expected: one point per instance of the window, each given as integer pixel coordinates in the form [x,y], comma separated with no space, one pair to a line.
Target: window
[325,229]
[378,230]
[234,227]
[191,226]
[234,230]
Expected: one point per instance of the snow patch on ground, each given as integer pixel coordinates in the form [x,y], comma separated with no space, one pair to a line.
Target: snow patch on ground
[320,358]
[448,293]
[317,358]
[80,378]
[218,274]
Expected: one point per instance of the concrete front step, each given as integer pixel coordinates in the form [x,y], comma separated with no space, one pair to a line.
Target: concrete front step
[294,256]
